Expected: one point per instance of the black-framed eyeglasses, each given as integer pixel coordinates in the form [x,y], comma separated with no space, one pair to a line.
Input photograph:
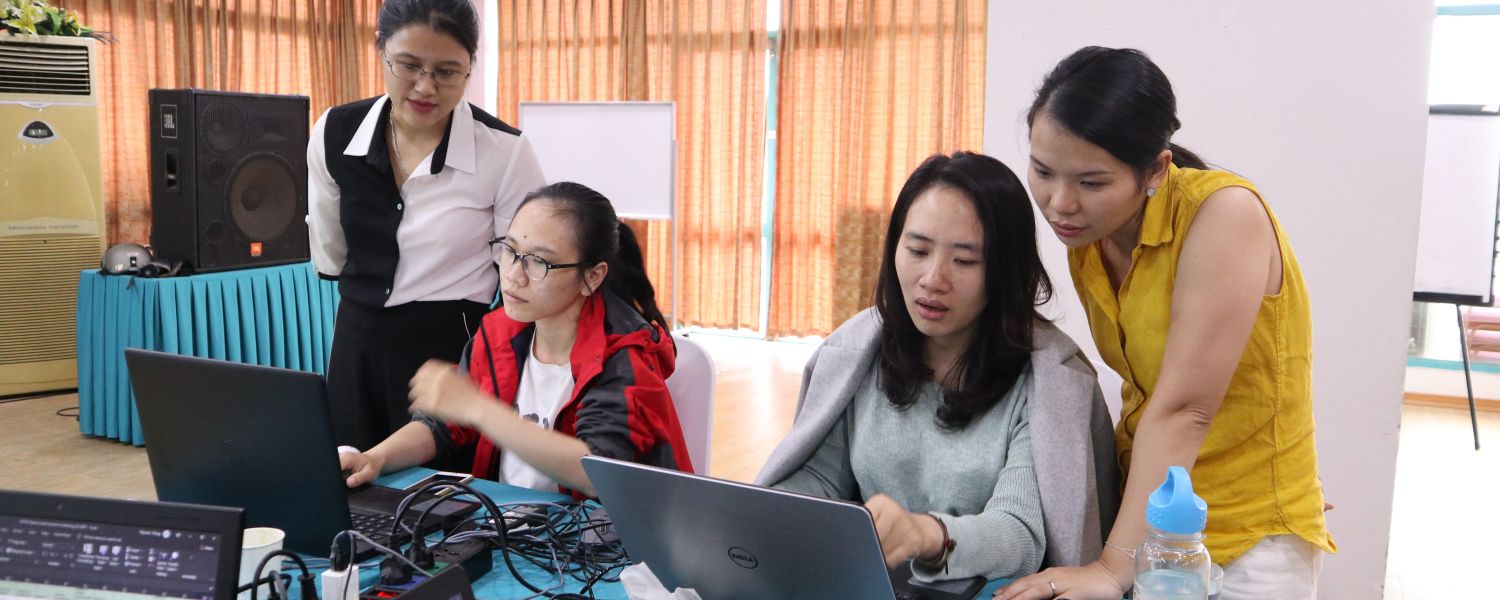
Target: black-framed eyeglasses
[534,266]
[409,72]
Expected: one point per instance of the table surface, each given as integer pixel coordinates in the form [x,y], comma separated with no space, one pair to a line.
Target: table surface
[498,583]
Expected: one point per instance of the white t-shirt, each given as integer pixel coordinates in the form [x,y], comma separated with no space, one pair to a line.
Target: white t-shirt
[543,391]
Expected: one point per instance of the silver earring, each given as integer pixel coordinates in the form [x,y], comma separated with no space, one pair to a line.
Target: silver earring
[1150,191]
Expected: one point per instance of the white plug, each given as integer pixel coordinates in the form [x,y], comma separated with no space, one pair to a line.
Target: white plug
[341,585]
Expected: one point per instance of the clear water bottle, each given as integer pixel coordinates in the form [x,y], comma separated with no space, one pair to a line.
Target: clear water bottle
[1172,563]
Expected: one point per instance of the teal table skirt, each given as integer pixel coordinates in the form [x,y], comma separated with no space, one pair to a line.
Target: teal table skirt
[278,316]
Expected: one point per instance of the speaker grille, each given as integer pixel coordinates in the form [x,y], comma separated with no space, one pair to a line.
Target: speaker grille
[39,276]
[222,127]
[251,179]
[263,197]
[44,69]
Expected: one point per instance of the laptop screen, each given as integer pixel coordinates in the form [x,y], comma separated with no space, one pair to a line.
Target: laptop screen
[71,548]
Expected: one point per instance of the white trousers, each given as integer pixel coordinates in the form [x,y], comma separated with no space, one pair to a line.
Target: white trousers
[1284,567]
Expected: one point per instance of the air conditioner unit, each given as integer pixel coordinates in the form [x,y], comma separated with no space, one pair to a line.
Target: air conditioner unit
[51,209]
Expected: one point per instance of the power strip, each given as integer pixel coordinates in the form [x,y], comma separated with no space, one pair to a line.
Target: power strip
[474,556]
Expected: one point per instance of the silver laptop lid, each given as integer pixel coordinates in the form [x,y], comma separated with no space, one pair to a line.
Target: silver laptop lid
[732,540]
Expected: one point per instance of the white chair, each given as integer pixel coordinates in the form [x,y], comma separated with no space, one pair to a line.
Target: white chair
[692,388]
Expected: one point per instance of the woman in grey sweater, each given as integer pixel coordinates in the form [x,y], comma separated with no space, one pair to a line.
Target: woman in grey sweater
[971,428]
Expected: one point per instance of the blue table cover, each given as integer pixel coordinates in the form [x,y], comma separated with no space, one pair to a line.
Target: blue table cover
[280,316]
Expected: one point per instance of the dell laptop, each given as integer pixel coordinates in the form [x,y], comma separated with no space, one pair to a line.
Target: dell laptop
[729,540]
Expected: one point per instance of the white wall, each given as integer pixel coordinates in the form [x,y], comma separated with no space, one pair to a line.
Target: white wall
[1323,105]
[483,89]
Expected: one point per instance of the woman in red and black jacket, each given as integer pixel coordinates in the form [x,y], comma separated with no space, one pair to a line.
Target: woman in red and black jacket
[574,364]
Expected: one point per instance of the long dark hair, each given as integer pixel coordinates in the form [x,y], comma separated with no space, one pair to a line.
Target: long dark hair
[1015,283]
[601,237]
[1118,100]
[455,18]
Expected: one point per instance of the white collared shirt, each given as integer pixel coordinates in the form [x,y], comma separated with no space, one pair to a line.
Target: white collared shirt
[459,198]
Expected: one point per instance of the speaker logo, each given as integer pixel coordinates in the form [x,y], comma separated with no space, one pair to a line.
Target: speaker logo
[743,557]
[255,248]
[169,121]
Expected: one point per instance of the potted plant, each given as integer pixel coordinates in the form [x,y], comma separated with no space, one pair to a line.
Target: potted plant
[36,17]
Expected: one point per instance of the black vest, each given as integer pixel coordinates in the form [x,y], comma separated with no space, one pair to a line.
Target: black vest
[370,206]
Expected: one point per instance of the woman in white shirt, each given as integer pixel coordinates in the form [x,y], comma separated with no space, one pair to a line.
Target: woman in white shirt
[405,191]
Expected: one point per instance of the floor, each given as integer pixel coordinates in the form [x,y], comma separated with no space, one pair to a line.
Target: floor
[1444,522]
[1443,535]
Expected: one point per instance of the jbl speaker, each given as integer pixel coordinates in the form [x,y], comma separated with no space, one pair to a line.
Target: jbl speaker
[228,179]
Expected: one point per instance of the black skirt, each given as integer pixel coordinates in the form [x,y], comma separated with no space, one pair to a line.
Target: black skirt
[375,353]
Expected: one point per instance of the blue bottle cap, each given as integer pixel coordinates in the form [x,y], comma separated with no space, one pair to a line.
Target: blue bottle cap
[1174,508]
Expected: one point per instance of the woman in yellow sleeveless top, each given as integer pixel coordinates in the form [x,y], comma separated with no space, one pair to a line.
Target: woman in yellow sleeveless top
[1194,297]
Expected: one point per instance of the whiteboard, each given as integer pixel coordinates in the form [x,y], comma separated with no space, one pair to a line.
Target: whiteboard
[1460,191]
[625,150]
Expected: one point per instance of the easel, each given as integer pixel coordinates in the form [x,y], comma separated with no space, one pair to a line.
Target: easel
[1463,345]
[1456,237]
[1458,302]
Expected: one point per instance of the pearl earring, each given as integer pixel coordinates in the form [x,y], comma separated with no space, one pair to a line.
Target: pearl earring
[1150,191]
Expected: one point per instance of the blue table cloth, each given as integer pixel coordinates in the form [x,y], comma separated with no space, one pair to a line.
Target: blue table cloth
[279,316]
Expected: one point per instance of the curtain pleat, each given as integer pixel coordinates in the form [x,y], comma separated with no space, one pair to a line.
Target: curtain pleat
[323,49]
[867,90]
[708,56]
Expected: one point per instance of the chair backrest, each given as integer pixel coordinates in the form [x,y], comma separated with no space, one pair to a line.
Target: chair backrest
[692,388]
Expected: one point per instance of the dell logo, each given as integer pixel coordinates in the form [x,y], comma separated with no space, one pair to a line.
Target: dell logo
[743,557]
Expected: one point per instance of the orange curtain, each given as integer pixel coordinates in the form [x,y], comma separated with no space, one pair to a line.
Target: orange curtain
[324,49]
[868,88]
[708,56]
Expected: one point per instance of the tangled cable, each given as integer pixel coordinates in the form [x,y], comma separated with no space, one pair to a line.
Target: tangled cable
[576,541]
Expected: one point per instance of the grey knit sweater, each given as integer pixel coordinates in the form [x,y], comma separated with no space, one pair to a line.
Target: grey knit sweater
[1072,439]
[979,480]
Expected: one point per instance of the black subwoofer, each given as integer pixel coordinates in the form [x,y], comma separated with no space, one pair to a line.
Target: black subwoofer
[228,178]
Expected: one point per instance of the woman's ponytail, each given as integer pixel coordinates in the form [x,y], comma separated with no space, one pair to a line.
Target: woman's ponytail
[627,278]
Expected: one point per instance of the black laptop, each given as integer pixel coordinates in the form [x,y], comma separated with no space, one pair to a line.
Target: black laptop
[259,438]
[54,546]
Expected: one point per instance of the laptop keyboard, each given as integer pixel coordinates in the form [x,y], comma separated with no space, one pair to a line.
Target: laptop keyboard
[374,526]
